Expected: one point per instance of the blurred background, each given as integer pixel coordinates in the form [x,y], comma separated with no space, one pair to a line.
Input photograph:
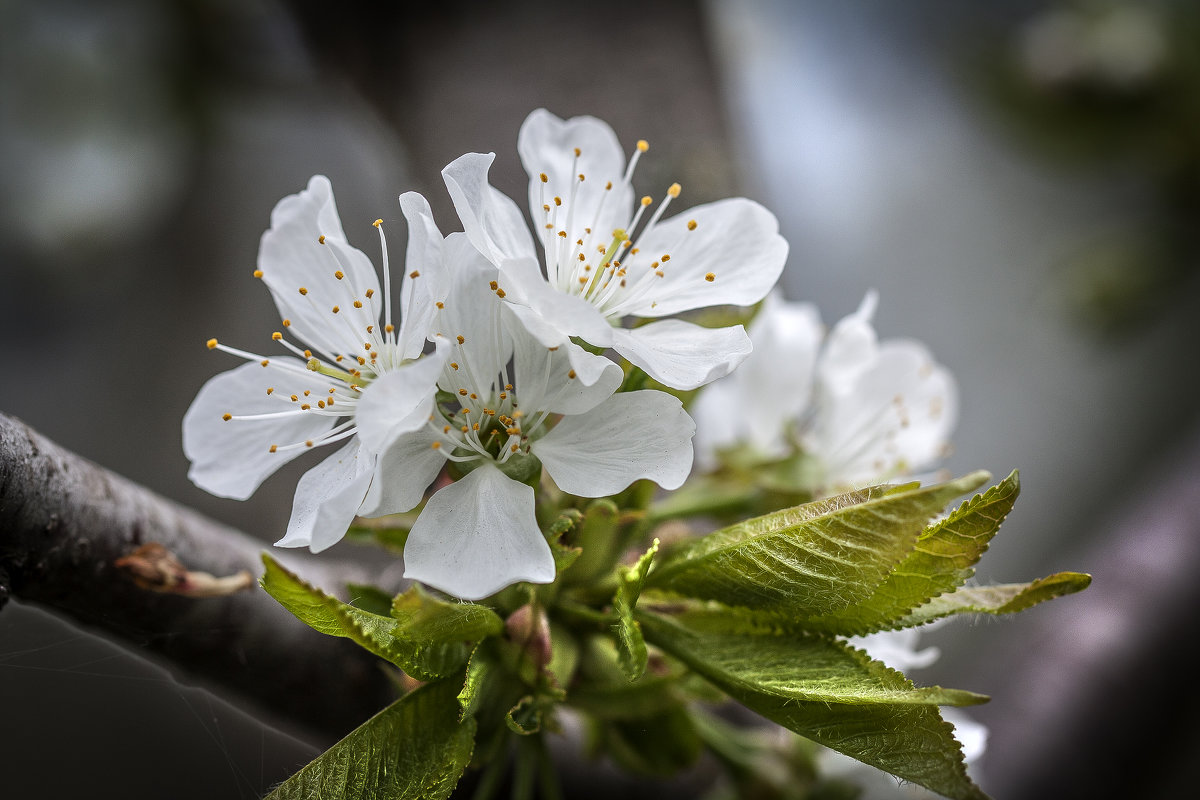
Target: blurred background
[1021,183]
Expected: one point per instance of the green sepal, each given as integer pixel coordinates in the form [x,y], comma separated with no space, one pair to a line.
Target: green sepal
[525,718]
[596,533]
[829,692]
[812,559]
[1005,598]
[941,562]
[631,644]
[415,748]
[426,638]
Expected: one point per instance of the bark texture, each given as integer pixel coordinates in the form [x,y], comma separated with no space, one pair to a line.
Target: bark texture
[65,521]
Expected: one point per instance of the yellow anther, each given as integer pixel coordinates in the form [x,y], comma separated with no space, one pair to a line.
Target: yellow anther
[583,279]
[659,273]
[320,404]
[277,336]
[258,273]
[370,329]
[389,328]
[465,428]
[414,274]
[514,448]
[710,277]
[358,303]
[436,445]
[643,145]
[622,283]
[571,374]
[508,387]
[361,361]
[212,344]
[475,426]
[265,361]
[440,304]
[370,293]
[336,309]
[461,340]
[546,207]
[666,257]
[305,406]
[295,398]
[332,389]
[321,239]
[557,200]
[339,274]
[454,365]
[578,152]
[608,186]
[287,323]
[581,178]
[366,345]
[674,189]
[500,293]
[463,392]
[308,354]
[270,390]
[272,449]
[377,223]
[227,417]
[445,429]
[647,200]
[563,234]
[307,392]
[691,224]
[582,257]
[493,285]
[308,443]
[544,178]
[503,395]
[303,290]
[474,396]
[329,402]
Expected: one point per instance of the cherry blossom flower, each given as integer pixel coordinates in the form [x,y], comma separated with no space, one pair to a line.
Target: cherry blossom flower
[518,406]
[864,411]
[608,257]
[353,376]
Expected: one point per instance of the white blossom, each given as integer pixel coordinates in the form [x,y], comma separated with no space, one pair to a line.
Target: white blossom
[607,256]
[864,411]
[517,406]
[353,376]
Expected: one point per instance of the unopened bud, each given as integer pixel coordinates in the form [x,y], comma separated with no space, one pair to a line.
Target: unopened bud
[531,631]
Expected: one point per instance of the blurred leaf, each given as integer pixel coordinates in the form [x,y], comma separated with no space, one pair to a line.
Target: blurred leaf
[812,559]
[1005,598]
[415,748]
[632,647]
[596,534]
[369,598]
[657,745]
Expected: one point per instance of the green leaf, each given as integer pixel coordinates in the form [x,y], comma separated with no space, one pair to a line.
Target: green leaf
[941,562]
[632,647]
[1005,598]
[425,637]
[415,748]
[809,560]
[525,718]
[369,598]
[829,692]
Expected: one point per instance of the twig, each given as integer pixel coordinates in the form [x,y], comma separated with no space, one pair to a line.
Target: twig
[66,522]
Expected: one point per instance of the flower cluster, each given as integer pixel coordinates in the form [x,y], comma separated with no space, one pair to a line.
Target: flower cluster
[494,364]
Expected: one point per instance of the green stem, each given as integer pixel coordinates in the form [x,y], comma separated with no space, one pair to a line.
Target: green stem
[525,769]
[577,612]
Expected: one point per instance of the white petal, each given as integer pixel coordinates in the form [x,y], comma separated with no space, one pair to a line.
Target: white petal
[543,376]
[573,316]
[897,649]
[971,734]
[327,498]
[632,435]
[493,222]
[403,471]
[291,256]
[398,401]
[424,257]
[547,145]
[736,240]
[473,312]
[478,535]
[683,355]
[231,458]
[769,391]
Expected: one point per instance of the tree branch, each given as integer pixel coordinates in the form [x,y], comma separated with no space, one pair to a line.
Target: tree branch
[65,521]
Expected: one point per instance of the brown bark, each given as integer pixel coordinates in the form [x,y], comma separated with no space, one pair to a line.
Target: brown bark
[65,521]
